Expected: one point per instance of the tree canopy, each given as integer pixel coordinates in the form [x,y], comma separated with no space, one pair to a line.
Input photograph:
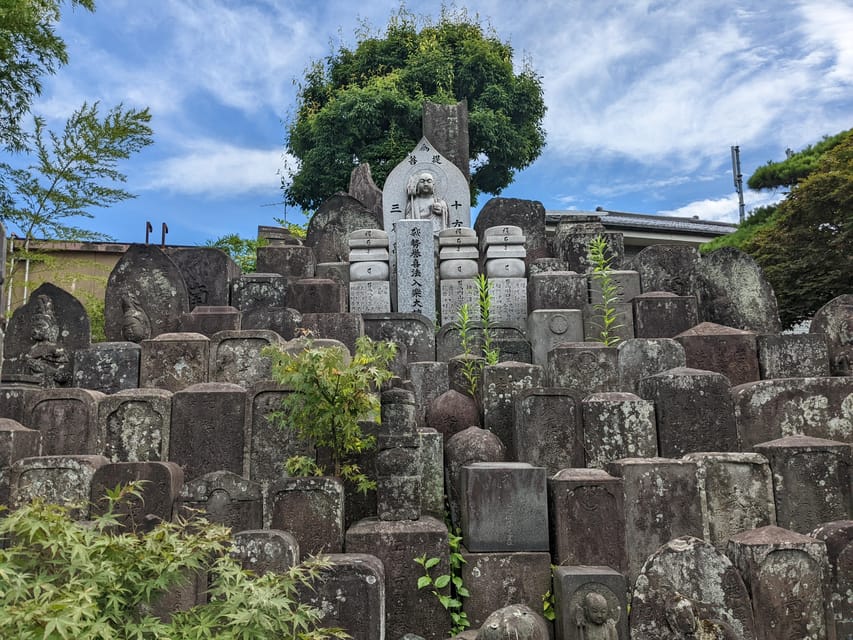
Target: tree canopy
[29,49]
[795,167]
[805,243]
[365,105]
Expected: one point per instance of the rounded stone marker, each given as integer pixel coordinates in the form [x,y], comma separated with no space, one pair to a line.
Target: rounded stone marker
[457,269]
[505,268]
[368,271]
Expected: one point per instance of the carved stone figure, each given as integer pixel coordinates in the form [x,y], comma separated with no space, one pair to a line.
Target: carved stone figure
[46,359]
[422,202]
[594,620]
[135,325]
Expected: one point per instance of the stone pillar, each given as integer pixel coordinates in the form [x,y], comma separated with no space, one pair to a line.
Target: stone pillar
[415,267]
[617,425]
[458,256]
[174,361]
[136,424]
[398,490]
[312,509]
[506,270]
[369,272]
[502,385]
[547,430]
[583,367]
[67,420]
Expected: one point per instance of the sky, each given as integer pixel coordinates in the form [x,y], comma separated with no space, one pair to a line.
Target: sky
[644,98]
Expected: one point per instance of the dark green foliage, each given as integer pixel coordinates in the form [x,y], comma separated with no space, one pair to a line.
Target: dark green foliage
[29,49]
[242,250]
[757,219]
[61,579]
[806,247]
[365,105]
[331,395]
[796,167]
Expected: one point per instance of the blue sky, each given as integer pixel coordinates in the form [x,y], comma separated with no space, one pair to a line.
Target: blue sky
[644,98]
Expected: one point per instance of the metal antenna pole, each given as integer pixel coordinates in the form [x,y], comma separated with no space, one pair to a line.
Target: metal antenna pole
[738,178]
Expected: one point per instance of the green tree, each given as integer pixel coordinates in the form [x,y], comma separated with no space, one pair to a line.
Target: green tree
[365,104]
[331,394]
[63,579]
[29,49]
[242,250]
[795,167]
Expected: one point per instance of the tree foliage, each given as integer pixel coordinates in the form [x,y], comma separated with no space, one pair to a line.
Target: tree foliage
[62,579]
[365,105]
[806,245]
[331,395]
[795,167]
[29,49]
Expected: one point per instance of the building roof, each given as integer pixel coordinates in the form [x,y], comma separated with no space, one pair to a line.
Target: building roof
[623,221]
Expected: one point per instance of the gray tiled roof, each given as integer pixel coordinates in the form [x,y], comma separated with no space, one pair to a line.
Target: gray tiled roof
[647,222]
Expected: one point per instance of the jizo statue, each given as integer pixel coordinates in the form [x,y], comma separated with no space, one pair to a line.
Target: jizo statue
[423,203]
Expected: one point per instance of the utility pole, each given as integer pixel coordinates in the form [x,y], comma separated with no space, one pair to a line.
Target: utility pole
[738,178]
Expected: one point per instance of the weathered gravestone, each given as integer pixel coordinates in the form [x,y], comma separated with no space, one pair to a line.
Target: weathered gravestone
[835,321]
[292,261]
[208,320]
[107,367]
[316,295]
[431,471]
[802,355]
[330,226]
[528,215]
[504,507]
[63,480]
[14,397]
[237,356]
[429,380]
[499,579]
[502,385]
[224,498]
[135,424]
[546,328]
[447,126]
[146,295]
[784,572]
[16,442]
[583,367]
[547,429]
[811,480]
[590,603]
[671,268]
[771,409]
[263,551]
[312,509]
[346,327]
[43,335]
[516,622]
[413,333]
[587,519]
[736,493]
[687,589]
[572,239]
[207,432]
[658,314]
[158,489]
[398,491]
[838,537]
[713,347]
[67,420]
[617,425]
[207,272]
[351,595]
[735,293]
[256,295]
[396,544]
[174,361]
[661,503]
[693,409]
[362,188]
[467,447]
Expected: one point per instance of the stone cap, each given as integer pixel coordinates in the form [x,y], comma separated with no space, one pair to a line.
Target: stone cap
[598,475]
[613,396]
[712,329]
[179,337]
[801,442]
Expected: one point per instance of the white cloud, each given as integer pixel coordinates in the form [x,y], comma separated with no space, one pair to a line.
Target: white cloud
[214,169]
[723,209]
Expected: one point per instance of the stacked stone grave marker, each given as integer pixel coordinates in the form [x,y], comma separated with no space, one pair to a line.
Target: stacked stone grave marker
[528,215]
[159,486]
[207,272]
[694,411]
[398,490]
[771,409]
[504,254]
[838,537]
[312,509]
[784,572]
[174,361]
[736,492]
[43,335]
[63,480]
[835,321]
[811,480]
[467,447]
[458,256]
[587,519]
[263,551]
[351,595]
[292,260]
[262,301]
[67,420]
[802,355]
[670,600]
[16,442]
[726,350]
[369,272]
[237,356]
[547,429]
[617,425]
[135,424]
[208,320]
[661,503]
[207,431]
[146,296]
[107,367]
[590,602]
[415,267]
[225,498]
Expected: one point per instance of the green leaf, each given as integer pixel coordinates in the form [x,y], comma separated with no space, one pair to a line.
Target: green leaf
[431,562]
[424,581]
[442,581]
